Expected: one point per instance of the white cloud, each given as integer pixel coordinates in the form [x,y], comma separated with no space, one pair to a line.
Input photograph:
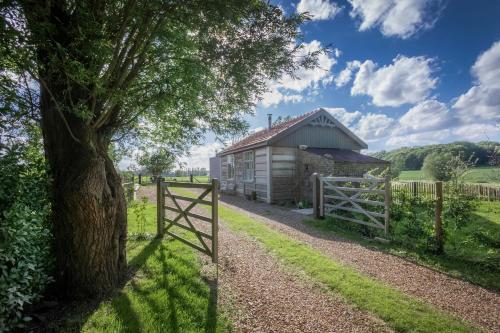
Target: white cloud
[274,97]
[345,76]
[425,116]
[291,89]
[342,115]
[401,18]
[482,101]
[406,80]
[199,156]
[319,9]
[420,138]
[306,78]
[477,131]
[374,126]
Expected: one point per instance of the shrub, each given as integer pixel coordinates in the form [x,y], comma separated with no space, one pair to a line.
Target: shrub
[436,166]
[413,220]
[25,261]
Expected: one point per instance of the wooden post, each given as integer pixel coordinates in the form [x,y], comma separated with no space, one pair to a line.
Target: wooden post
[140,179]
[215,219]
[316,195]
[160,201]
[191,178]
[387,204]
[321,197]
[438,226]
[414,188]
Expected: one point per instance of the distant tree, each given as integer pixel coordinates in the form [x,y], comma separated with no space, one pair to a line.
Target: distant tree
[157,162]
[92,73]
[446,167]
[281,119]
[436,166]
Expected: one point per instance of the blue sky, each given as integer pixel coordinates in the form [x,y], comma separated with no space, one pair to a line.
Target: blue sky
[401,72]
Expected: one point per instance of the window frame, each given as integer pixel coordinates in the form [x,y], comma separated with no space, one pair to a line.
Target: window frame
[249,159]
[230,166]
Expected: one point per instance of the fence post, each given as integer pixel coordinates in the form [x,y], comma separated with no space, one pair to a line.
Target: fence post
[160,201]
[316,195]
[191,178]
[140,179]
[215,219]
[387,204]
[438,226]
[414,188]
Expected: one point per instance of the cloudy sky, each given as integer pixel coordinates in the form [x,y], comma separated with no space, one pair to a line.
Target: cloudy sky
[401,72]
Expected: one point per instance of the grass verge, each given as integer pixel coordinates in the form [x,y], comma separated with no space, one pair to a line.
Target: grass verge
[401,312]
[471,253]
[166,293]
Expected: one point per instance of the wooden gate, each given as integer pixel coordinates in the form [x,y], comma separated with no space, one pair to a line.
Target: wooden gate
[358,196]
[168,201]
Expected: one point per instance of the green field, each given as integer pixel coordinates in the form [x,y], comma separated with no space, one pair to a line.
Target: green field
[476,175]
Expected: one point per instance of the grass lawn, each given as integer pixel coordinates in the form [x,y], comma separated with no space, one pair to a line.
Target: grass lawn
[476,175]
[472,253]
[401,312]
[166,294]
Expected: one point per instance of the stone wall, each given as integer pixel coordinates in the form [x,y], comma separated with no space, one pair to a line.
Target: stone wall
[308,163]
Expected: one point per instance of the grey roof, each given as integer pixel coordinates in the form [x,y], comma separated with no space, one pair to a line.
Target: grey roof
[344,155]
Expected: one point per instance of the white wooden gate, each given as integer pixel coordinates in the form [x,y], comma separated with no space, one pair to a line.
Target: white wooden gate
[367,199]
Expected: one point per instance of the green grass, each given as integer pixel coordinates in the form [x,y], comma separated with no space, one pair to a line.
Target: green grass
[476,175]
[471,253]
[167,293]
[401,312]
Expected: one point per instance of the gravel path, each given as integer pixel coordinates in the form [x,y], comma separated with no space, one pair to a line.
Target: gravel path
[473,303]
[263,296]
[272,299]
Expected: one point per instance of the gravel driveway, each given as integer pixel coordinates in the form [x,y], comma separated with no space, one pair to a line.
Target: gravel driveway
[468,301]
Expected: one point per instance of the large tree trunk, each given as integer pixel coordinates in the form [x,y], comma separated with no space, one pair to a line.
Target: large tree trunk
[88,206]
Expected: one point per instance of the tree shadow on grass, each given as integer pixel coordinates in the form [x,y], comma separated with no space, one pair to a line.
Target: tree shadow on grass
[65,316]
[178,281]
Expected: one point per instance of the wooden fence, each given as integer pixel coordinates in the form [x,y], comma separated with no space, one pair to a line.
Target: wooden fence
[184,218]
[428,189]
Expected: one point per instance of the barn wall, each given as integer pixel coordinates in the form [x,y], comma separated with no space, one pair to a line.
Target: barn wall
[319,137]
[284,184]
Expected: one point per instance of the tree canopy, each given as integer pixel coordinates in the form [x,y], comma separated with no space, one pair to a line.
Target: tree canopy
[412,158]
[164,71]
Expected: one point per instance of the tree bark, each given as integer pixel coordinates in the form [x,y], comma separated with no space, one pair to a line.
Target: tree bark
[88,205]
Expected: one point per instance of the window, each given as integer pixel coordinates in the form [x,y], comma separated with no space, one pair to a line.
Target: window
[230,166]
[248,165]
